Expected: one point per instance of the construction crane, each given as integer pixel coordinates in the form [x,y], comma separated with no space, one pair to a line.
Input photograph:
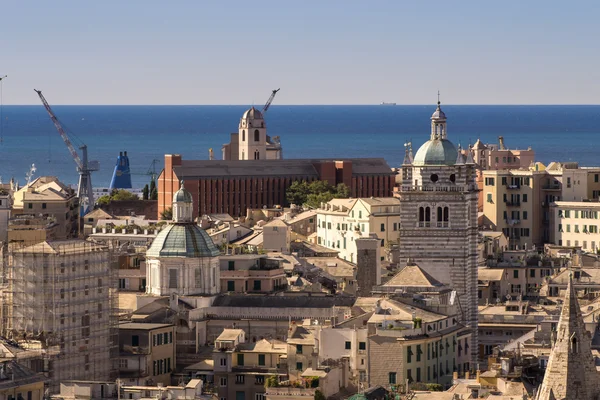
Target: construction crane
[84,168]
[268,103]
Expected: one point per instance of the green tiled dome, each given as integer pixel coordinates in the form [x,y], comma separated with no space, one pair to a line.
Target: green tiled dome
[436,152]
[182,240]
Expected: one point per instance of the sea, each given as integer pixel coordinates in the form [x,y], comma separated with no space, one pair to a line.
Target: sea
[147,133]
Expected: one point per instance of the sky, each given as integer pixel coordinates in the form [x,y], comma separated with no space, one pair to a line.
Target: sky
[316,51]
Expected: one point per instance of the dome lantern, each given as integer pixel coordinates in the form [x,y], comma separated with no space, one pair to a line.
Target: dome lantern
[183,206]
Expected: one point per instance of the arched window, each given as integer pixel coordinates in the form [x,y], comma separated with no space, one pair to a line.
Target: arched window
[243,136]
[421,214]
[256,135]
[445,214]
[427,214]
[256,155]
[439,214]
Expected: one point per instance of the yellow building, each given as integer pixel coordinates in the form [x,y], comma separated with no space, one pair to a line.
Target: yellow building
[31,229]
[147,353]
[19,382]
[516,203]
[576,224]
[47,196]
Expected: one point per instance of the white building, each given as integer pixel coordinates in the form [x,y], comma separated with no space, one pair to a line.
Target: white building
[341,221]
[182,259]
[575,223]
[251,142]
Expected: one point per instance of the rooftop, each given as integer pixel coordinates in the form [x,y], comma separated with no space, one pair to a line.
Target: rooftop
[140,326]
[230,334]
[305,168]
[321,301]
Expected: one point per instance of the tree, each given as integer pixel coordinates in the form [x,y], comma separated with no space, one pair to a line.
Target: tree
[319,395]
[297,192]
[167,214]
[153,190]
[145,192]
[315,193]
[123,195]
[103,200]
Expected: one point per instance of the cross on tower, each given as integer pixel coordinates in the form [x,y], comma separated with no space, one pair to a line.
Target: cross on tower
[438,97]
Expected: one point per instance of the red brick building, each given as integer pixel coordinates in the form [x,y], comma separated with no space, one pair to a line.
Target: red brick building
[232,186]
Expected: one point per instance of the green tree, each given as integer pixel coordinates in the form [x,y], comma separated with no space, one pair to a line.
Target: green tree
[342,191]
[297,192]
[319,395]
[152,185]
[145,192]
[103,200]
[122,195]
[167,214]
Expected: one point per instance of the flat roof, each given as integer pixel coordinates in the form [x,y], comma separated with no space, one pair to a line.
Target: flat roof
[143,326]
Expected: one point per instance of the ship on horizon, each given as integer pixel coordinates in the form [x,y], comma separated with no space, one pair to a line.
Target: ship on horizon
[383,103]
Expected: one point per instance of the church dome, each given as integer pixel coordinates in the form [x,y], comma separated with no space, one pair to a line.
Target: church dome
[182,195]
[252,113]
[183,240]
[436,152]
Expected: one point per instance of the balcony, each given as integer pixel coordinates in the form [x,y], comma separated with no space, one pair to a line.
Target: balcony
[511,203]
[512,221]
[551,186]
[511,186]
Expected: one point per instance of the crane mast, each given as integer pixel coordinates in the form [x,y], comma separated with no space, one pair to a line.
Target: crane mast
[268,103]
[84,167]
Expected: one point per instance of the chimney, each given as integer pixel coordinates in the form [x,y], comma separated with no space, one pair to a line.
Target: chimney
[478,376]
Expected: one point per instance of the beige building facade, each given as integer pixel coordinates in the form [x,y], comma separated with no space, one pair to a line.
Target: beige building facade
[341,221]
[576,224]
[147,353]
[254,273]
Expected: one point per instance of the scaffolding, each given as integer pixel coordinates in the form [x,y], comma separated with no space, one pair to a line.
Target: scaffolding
[59,298]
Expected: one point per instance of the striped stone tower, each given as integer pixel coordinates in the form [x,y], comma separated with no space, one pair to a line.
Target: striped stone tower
[438,214]
[571,371]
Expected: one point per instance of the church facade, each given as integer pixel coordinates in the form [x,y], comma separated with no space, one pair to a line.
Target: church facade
[438,214]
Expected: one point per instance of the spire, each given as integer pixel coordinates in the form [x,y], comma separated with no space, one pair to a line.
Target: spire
[407,154]
[459,158]
[571,371]
[469,160]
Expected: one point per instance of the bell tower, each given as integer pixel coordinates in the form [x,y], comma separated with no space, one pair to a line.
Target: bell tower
[252,137]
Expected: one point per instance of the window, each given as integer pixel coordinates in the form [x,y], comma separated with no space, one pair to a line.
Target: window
[260,396]
[362,345]
[348,345]
[231,286]
[524,214]
[30,205]
[409,354]
[223,362]
[239,379]
[62,293]
[172,278]
[135,340]
[299,366]
[419,351]
[261,359]
[298,349]
[223,381]
[489,181]
[392,378]
[231,266]
[524,197]
[532,273]
[516,273]
[257,285]
[418,374]
[240,359]
[256,135]
[382,227]
[259,380]
[489,198]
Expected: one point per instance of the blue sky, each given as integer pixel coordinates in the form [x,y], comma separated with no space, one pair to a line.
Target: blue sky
[318,52]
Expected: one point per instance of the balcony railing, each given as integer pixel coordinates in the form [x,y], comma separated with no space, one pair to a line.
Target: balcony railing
[428,224]
[512,221]
[511,186]
[551,186]
[513,203]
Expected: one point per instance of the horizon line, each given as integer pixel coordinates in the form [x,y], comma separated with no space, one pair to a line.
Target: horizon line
[320,105]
